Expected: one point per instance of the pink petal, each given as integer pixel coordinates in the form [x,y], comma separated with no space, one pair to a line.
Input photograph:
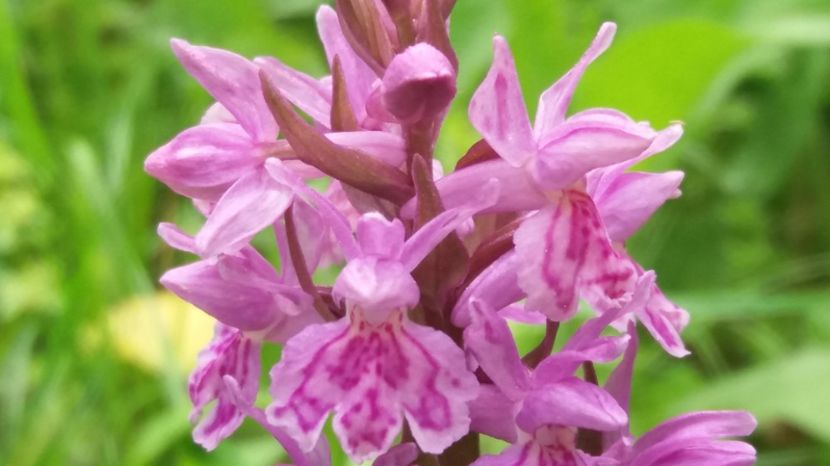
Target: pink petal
[492,413]
[633,198]
[359,77]
[490,341]
[176,238]
[300,89]
[254,202]
[403,454]
[554,102]
[203,161]
[517,188]
[319,456]
[704,424]
[564,253]
[376,285]
[336,220]
[498,112]
[582,144]
[370,376]
[571,402]
[389,148]
[497,286]
[231,80]
[697,452]
[229,353]
[380,237]
[664,321]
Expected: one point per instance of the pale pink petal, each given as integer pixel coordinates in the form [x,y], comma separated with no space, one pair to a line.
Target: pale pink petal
[378,286]
[633,198]
[517,189]
[437,390]
[217,113]
[380,237]
[403,454]
[578,146]
[254,202]
[497,109]
[203,161]
[389,148]
[554,102]
[298,88]
[519,313]
[490,341]
[233,81]
[697,452]
[176,238]
[497,286]
[704,424]
[664,321]
[600,179]
[359,77]
[492,413]
[336,220]
[229,353]
[571,402]
[564,253]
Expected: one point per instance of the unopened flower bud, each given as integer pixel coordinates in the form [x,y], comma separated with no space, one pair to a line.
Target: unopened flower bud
[419,84]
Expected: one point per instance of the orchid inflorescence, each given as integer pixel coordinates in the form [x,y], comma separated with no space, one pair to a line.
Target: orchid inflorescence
[410,346]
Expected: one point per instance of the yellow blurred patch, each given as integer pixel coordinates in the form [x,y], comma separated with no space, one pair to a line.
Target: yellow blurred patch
[153,331]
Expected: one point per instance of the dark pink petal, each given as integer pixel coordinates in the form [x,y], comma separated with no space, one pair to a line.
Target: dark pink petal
[302,90]
[571,402]
[518,313]
[497,109]
[359,77]
[371,376]
[229,353]
[580,145]
[633,198]
[403,454]
[695,452]
[233,81]
[554,102]
[490,341]
[564,253]
[419,84]
[492,413]
[203,161]
[254,202]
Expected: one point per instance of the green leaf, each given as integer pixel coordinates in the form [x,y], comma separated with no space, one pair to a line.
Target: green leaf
[791,389]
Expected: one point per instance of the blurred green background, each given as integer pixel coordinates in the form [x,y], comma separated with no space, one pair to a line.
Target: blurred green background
[93,359]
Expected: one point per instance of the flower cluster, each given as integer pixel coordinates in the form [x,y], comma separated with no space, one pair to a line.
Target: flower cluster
[410,345]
